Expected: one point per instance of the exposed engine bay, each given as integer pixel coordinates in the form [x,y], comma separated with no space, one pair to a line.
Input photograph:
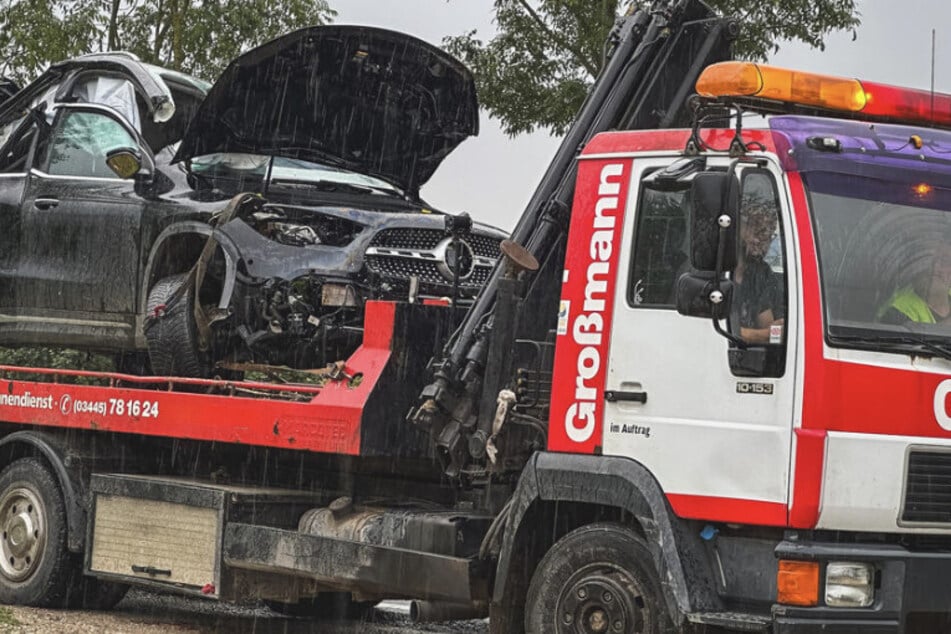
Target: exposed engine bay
[303,276]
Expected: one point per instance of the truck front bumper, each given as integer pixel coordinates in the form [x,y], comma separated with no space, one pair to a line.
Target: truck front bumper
[910,587]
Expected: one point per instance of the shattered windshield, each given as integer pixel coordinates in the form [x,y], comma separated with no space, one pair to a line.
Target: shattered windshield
[284,171]
[885,258]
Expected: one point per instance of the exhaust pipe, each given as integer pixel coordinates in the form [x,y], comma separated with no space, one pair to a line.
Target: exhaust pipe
[434,611]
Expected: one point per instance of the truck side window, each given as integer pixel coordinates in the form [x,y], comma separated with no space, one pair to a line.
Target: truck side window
[758,312]
[660,248]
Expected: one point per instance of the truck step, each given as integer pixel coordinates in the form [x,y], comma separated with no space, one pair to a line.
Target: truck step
[737,621]
[371,568]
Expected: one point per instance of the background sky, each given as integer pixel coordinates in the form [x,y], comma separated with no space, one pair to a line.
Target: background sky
[492,176]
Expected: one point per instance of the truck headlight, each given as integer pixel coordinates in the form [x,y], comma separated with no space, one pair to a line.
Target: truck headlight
[849,584]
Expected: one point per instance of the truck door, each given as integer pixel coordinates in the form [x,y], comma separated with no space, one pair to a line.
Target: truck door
[718,443]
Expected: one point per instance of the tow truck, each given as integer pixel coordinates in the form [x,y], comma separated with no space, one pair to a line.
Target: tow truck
[594,445]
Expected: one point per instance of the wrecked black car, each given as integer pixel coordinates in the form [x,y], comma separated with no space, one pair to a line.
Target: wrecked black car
[249,221]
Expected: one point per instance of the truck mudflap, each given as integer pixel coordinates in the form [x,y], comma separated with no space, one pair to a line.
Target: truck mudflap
[368,569]
[912,590]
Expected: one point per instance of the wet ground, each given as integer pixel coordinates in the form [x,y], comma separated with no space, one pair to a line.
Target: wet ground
[147,613]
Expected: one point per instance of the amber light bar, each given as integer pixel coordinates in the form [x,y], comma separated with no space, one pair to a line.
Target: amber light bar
[837,94]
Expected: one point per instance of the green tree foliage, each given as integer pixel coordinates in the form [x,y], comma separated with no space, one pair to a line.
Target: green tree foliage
[35,32]
[534,73]
[195,36]
[55,358]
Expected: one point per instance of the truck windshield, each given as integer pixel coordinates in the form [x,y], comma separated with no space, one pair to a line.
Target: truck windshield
[885,259]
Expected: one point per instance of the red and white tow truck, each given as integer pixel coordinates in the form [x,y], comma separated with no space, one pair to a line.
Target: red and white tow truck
[595,445]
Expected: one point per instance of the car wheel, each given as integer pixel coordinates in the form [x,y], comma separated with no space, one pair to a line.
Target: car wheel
[598,578]
[36,568]
[326,605]
[171,333]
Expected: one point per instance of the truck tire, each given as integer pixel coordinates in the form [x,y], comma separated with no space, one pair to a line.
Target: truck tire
[36,567]
[598,578]
[326,605]
[171,333]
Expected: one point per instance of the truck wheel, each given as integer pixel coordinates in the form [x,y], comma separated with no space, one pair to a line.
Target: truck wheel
[36,568]
[326,605]
[598,578]
[172,335]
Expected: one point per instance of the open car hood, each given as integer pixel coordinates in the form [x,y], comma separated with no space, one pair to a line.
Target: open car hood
[365,99]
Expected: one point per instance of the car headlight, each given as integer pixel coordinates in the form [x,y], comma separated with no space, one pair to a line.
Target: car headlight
[849,584]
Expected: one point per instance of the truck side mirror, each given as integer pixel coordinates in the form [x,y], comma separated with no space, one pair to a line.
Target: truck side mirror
[713,210]
[699,294]
[714,200]
[705,292]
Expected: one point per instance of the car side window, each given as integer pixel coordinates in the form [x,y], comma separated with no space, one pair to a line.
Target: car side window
[80,142]
[16,138]
[660,248]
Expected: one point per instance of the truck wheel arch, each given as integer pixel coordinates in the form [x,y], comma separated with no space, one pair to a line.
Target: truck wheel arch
[20,444]
[605,482]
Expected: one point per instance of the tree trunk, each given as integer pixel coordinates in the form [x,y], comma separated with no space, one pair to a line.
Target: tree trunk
[178,14]
[114,26]
[159,32]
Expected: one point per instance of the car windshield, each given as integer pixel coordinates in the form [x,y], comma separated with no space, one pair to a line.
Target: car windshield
[885,257]
[285,171]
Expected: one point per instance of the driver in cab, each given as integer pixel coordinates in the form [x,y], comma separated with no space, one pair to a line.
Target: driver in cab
[927,299]
[758,301]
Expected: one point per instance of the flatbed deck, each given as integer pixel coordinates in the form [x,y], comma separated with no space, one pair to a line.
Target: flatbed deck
[322,418]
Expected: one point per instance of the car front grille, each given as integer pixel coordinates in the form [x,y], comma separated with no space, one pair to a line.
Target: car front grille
[427,239]
[398,254]
[928,488]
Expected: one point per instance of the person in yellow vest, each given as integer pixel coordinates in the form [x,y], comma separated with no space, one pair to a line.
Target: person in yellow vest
[928,299]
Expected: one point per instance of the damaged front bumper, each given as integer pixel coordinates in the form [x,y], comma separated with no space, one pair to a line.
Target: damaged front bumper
[300,278]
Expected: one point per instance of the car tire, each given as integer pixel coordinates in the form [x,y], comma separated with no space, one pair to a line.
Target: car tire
[326,605]
[599,577]
[171,332]
[36,567]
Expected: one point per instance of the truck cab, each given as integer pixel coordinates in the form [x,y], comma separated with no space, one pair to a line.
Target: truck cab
[759,319]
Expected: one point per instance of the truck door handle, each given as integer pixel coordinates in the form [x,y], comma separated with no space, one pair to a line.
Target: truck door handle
[45,203]
[613,396]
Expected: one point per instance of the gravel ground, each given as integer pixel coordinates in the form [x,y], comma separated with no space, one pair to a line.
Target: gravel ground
[148,613]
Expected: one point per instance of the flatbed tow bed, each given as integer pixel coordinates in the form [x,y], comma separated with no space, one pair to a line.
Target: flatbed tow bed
[252,525]
[208,409]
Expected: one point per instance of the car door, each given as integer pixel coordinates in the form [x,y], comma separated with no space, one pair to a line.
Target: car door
[16,144]
[80,231]
[718,443]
